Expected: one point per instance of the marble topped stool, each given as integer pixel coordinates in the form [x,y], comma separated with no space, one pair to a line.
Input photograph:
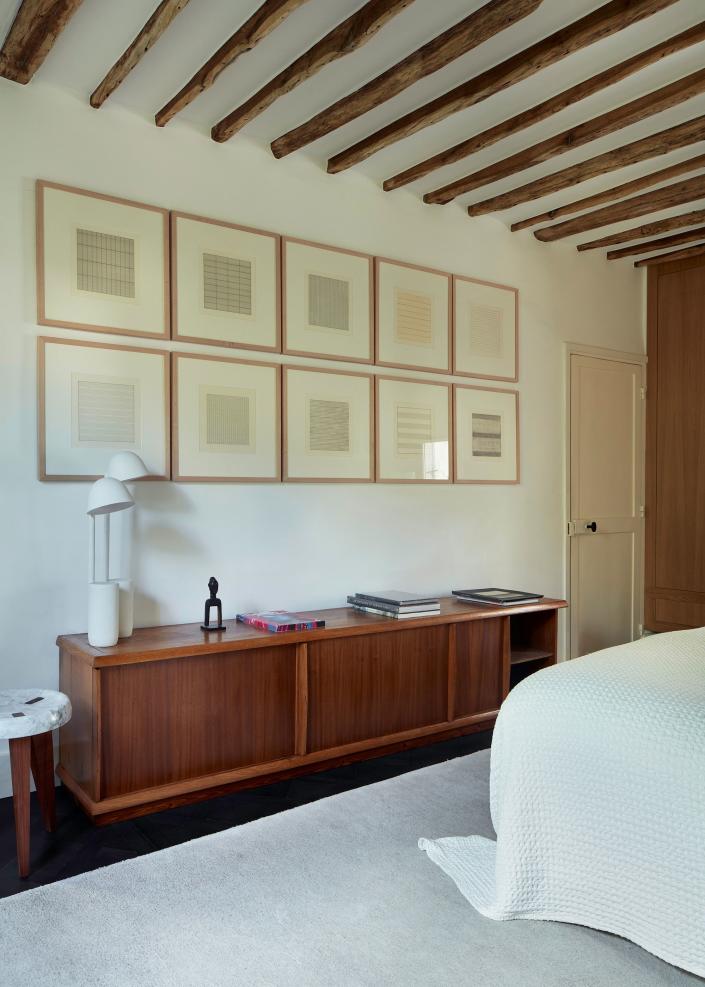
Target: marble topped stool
[27,718]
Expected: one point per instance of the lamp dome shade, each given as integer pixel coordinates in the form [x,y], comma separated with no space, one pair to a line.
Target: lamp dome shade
[108,495]
[126,466]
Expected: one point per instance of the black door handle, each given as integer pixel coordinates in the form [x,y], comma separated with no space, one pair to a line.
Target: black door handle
[592,526]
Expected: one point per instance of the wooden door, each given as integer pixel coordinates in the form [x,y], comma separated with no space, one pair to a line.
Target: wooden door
[675,447]
[606,508]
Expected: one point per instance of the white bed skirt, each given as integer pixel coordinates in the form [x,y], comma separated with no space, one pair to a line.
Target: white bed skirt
[597,793]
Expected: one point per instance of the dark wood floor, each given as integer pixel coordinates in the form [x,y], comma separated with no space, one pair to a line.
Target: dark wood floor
[77,846]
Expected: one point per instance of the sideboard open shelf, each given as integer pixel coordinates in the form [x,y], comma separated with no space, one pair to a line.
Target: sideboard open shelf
[174,715]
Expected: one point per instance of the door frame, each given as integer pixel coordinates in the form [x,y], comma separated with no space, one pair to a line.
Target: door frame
[616,356]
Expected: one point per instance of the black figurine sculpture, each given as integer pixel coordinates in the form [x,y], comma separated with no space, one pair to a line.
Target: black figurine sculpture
[213,601]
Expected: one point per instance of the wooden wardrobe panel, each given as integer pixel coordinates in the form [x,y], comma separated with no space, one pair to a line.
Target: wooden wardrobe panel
[164,721]
[675,446]
[376,685]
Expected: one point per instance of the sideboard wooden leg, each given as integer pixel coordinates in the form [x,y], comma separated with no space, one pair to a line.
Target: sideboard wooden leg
[43,772]
[20,766]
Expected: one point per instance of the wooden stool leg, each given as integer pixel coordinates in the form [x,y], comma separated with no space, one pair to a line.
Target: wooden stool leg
[20,766]
[43,772]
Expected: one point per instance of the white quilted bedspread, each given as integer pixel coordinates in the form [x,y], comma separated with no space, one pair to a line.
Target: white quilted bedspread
[597,795]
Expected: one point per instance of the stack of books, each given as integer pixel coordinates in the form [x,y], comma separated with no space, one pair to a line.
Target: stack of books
[395,603]
[496,597]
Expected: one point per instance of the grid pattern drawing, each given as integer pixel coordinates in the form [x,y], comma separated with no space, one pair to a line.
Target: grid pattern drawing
[105,411]
[486,330]
[486,435]
[227,419]
[105,263]
[328,303]
[413,317]
[328,425]
[414,429]
[227,284]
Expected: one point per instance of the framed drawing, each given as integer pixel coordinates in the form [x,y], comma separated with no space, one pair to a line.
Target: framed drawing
[413,316]
[328,302]
[97,399]
[486,426]
[485,330]
[328,426]
[102,263]
[413,431]
[225,284]
[226,420]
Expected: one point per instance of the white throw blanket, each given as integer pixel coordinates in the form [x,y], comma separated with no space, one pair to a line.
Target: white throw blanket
[597,796]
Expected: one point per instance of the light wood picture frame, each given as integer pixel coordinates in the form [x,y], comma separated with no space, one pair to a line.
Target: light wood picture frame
[226,284]
[328,301]
[328,431]
[226,419]
[414,431]
[485,329]
[96,399]
[486,435]
[102,262]
[413,316]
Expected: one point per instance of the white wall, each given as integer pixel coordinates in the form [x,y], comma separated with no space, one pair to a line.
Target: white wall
[283,546]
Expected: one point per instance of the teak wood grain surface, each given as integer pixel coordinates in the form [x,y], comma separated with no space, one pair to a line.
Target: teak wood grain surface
[174,714]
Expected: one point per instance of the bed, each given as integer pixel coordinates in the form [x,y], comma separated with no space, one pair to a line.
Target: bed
[597,796]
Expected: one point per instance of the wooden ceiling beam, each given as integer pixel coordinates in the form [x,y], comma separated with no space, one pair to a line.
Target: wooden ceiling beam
[682,135]
[262,22]
[673,255]
[677,239]
[542,111]
[606,20]
[647,229]
[346,37]
[688,190]
[148,36]
[36,26]
[616,192]
[574,137]
[482,24]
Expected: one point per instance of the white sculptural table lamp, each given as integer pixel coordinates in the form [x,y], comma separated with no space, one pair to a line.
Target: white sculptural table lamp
[125,466]
[107,496]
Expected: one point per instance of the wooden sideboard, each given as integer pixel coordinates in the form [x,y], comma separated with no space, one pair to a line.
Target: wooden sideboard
[174,715]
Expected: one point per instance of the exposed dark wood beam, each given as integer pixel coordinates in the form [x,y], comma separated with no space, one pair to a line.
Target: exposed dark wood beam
[690,132]
[676,240]
[265,19]
[350,34]
[36,26]
[639,205]
[482,24]
[616,192]
[542,111]
[600,126]
[647,229]
[673,255]
[606,20]
[148,36]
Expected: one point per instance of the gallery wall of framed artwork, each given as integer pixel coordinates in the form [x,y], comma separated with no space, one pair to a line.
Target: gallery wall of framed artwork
[485,330]
[414,431]
[413,309]
[486,434]
[226,284]
[102,262]
[114,265]
[328,425]
[328,302]
[97,399]
[226,419]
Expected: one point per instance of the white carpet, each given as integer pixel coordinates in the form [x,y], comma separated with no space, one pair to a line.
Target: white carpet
[334,893]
